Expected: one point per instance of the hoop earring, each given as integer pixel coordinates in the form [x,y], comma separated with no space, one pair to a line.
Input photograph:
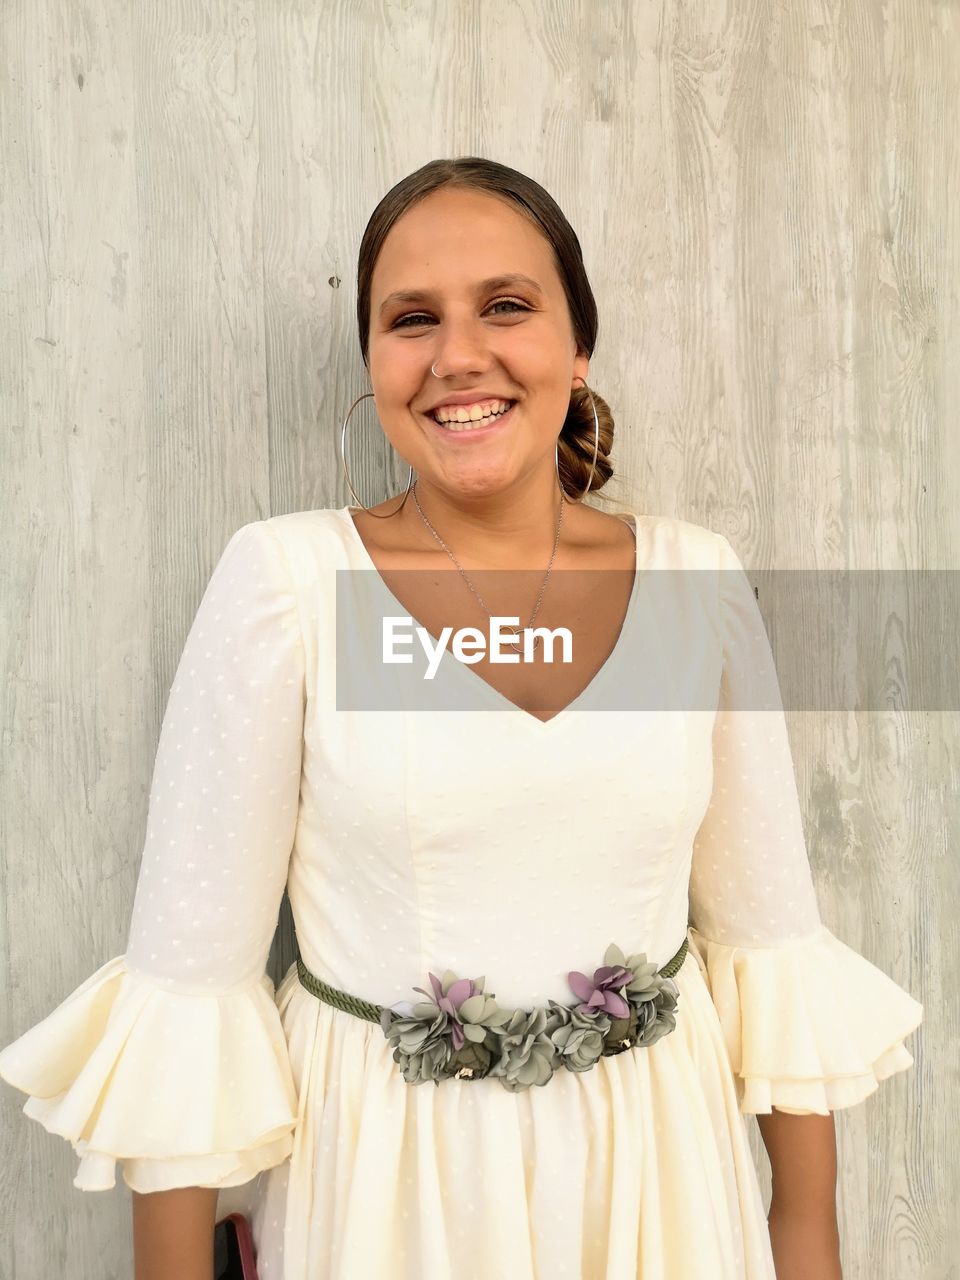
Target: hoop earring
[343,461]
[596,450]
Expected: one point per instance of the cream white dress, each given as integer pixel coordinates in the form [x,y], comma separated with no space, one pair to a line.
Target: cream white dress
[482,840]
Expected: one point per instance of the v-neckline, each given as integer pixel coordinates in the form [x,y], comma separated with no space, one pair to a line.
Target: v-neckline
[487,689]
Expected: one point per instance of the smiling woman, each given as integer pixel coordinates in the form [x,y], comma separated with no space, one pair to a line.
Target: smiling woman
[438,330]
[611,917]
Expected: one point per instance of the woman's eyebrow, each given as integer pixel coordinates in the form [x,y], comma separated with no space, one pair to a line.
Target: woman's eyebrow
[484,286]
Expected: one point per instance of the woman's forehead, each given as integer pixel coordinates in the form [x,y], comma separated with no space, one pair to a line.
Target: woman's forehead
[428,251]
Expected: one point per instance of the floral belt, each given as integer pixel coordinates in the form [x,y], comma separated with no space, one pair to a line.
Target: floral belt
[462,1033]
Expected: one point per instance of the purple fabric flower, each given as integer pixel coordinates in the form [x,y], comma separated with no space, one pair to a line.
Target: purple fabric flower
[450,1003]
[602,993]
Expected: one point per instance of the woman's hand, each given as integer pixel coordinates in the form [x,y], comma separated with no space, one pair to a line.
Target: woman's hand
[806,1245]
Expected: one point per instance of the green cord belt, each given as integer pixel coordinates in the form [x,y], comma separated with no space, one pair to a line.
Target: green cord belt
[374,1012]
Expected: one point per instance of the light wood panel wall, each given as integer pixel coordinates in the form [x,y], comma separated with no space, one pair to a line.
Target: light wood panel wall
[767,196]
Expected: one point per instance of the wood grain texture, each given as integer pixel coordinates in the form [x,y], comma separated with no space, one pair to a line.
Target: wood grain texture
[767,198]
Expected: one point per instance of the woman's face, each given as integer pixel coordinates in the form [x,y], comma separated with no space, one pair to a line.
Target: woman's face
[444,249]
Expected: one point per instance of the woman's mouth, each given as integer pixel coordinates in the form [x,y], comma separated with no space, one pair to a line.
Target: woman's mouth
[479,430]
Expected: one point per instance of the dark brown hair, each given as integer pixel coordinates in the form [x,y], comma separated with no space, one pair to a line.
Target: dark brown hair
[578,434]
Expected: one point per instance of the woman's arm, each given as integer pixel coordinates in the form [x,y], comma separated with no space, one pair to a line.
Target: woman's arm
[173,1233]
[803,1161]
[803,1210]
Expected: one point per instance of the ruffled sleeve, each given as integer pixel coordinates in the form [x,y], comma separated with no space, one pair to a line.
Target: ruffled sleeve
[809,1024]
[171,1058]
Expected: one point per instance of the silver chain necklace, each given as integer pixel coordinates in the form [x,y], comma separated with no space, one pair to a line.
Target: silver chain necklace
[543,585]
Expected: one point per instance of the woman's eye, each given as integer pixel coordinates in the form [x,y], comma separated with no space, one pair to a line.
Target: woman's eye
[419,316]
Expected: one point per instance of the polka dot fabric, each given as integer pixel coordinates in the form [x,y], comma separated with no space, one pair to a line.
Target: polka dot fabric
[171,1058]
[496,845]
[809,1024]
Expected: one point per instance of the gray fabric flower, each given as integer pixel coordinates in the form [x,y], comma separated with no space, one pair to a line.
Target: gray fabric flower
[578,1036]
[420,1037]
[453,1034]
[657,1017]
[645,981]
[469,1009]
[652,1000]
[471,1061]
[622,1034]
[528,1056]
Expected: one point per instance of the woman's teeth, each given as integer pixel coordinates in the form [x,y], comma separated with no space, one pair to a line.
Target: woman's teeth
[470,419]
